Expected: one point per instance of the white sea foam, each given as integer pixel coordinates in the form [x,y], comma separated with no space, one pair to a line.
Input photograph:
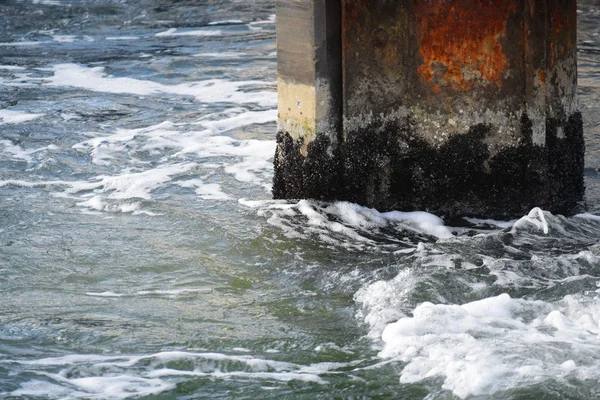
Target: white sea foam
[588,216]
[51,3]
[219,146]
[11,67]
[64,38]
[173,32]
[16,152]
[314,222]
[19,44]
[535,219]
[114,193]
[384,301]
[350,221]
[365,217]
[99,203]
[498,343]
[104,294]
[206,191]
[103,148]
[172,293]
[112,387]
[209,91]
[240,120]
[251,161]
[132,185]
[223,55]
[16,117]
[422,221]
[247,161]
[467,345]
[122,38]
[226,22]
[68,116]
[120,377]
[257,25]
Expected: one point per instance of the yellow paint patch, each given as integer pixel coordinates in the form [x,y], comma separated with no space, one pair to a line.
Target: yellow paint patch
[297,111]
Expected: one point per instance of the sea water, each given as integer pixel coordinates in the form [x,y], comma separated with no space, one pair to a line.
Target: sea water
[141,255]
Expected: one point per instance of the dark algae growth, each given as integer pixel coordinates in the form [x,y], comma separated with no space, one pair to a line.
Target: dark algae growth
[460,177]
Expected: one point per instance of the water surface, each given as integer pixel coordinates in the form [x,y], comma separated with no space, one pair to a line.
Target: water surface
[141,255]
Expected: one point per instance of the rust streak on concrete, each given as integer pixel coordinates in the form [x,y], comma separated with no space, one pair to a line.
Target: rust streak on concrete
[563,28]
[542,76]
[462,42]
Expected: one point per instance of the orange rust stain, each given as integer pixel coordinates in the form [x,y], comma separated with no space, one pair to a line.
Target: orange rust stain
[542,75]
[563,20]
[563,30]
[349,18]
[350,11]
[461,42]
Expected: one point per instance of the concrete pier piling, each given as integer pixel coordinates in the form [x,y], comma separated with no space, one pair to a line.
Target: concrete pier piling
[309,84]
[457,107]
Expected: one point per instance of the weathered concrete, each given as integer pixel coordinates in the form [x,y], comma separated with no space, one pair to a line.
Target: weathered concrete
[310,94]
[458,107]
